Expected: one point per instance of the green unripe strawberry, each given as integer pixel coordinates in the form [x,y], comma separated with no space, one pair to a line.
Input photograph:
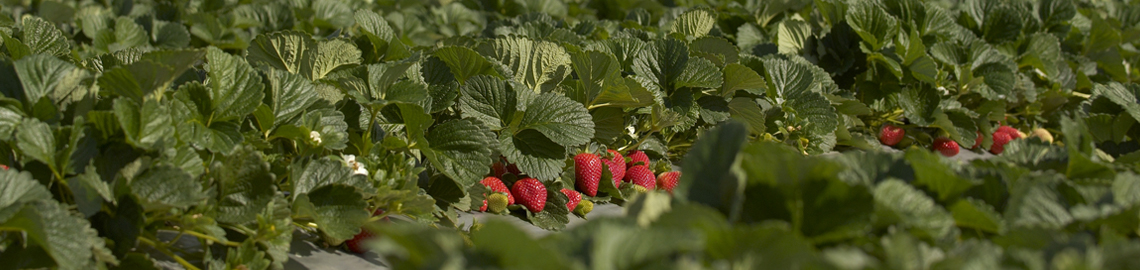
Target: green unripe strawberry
[584,207]
[497,202]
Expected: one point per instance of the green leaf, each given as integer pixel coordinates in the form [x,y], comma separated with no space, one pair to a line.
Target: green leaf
[164,186]
[975,214]
[557,117]
[511,247]
[708,176]
[554,214]
[288,51]
[460,149]
[245,187]
[289,96]
[740,77]
[43,75]
[533,153]
[1044,54]
[1120,95]
[899,203]
[89,191]
[609,124]
[792,36]
[540,65]
[1033,203]
[18,188]
[959,124]
[747,111]
[662,61]
[792,85]
[68,239]
[694,23]
[716,49]
[1002,24]
[919,104]
[144,125]
[36,140]
[464,62]
[169,34]
[998,81]
[936,176]
[700,73]
[328,56]
[126,34]
[42,37]
[382,76]
[872,23]
[489,100]
[338,210]
[325,172]
[235,87]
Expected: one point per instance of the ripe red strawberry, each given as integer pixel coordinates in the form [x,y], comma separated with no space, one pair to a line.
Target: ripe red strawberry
[616,166]
[4,167]
[978,141]
[530,193]
[891,135]
[947,146]
[498,170]
[636,157]
[496,185]
[356,243]
[668,180]
[574,198]
[641,175]
[1013,133]
[587,173]
[1000,139]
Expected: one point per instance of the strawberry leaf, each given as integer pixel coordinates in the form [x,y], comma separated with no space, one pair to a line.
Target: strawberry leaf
[460,149]
[540,65]
[489,100]
[560,119]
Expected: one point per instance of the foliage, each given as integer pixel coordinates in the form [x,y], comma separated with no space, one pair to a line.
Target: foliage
[239,122]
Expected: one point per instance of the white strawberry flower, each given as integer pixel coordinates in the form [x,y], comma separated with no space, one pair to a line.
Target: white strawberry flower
[357,168]
[315,137]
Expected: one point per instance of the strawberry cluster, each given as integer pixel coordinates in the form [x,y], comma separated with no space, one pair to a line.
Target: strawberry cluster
[588,172]
[891,135]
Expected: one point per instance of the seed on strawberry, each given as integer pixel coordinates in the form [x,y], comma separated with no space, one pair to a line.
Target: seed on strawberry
[947,146]
[1000,139]
[616,166]
[637,157]
[530,193]
[574,198]
[641,175]
[891,135]
[587,173]
[496,202]
[584,208]
[668,180]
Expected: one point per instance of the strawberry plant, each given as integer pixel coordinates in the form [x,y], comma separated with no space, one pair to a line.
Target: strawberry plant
[750,134]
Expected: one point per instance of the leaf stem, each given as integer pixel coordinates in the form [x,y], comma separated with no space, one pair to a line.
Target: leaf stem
[211,238]
[162,249]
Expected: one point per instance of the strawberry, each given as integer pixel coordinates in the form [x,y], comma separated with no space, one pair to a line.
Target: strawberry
[496,202]
[978,141]
[574,198]
[4,167]
[616,166]
[1000,139]
[640,189]
[1013,132]
[641,175]
[584,208]
[498,170]
[530,193]
[947,146]
[496,185]
[587,173]
[668,180]
[637,157]
[891,135]
[356,243]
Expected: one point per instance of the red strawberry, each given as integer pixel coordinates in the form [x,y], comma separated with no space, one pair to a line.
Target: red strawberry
[641,175]
[616,166]
[668,180]
[4,167]
[496,185]
[947,146]
[978,141]
[574,197]
[587,173]
[1013,133]
[530,193]
[498,170]
[891,135]
[355,244]
[1000,139]
[637,156]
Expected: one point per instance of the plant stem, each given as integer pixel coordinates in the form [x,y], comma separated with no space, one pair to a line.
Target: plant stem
[211,238]
[162,249]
